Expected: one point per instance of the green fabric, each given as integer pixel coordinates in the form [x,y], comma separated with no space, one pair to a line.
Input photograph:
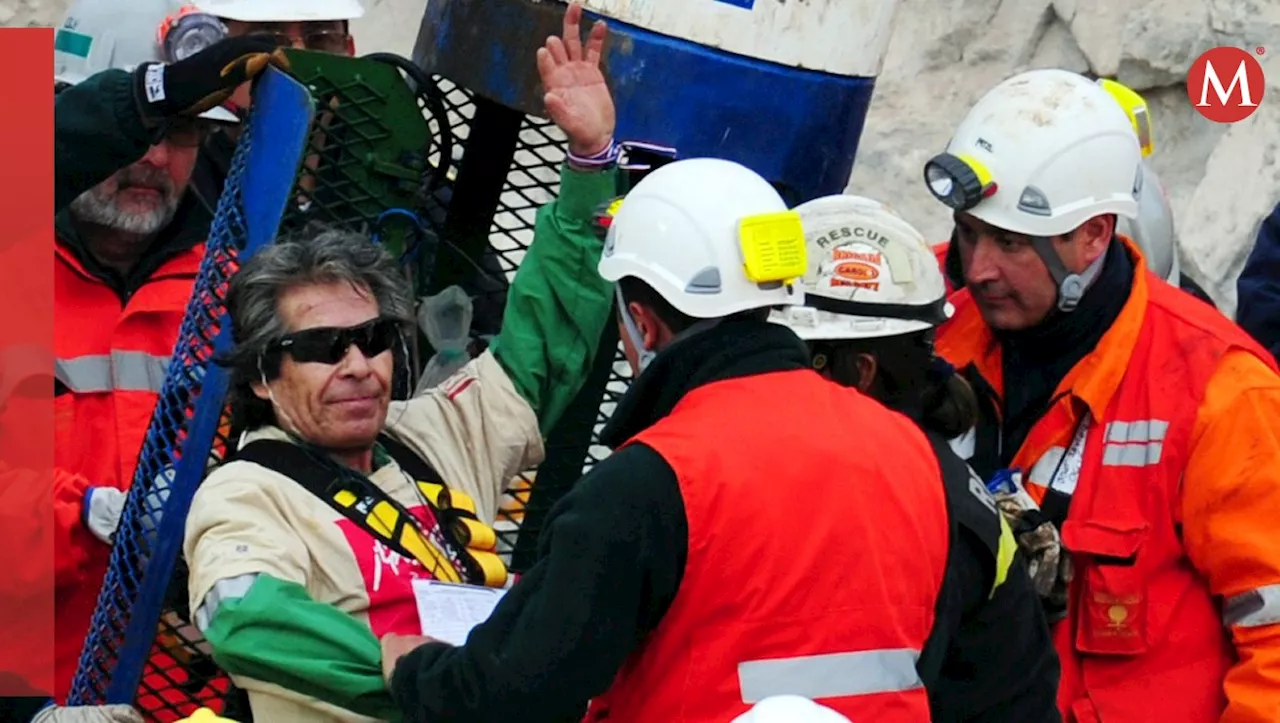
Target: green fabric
[558,305]
[278,634]
[97,130]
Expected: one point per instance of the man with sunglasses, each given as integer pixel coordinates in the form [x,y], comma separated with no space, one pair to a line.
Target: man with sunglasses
[306,545]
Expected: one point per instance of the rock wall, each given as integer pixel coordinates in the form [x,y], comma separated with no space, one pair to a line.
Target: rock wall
[1222,180]
[30,13]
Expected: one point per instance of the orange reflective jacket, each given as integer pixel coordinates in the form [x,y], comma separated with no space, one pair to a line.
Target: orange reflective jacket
[1165,438]
[814,557]
[111,360]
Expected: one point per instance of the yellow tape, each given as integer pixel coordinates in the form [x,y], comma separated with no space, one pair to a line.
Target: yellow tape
[773,247]
[1006,551]
[1136,108]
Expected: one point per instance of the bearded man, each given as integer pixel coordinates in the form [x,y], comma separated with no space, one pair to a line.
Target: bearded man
[126,256]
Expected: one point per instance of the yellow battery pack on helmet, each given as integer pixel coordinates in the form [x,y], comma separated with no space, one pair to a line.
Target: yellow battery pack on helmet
[1135,106]
[773,247]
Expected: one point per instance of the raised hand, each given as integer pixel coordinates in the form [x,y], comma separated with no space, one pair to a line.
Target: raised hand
[577,98]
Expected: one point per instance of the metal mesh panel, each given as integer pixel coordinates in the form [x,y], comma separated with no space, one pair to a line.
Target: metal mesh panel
[363,158]
[141,649]
[178,675]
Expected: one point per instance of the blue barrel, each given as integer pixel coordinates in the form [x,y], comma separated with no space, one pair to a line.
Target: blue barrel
[781,87]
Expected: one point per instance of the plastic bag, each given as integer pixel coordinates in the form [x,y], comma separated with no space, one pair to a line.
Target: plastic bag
[445,319]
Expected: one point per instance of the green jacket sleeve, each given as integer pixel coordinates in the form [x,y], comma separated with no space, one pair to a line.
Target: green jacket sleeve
[558,305]
[277,634]
[97,130]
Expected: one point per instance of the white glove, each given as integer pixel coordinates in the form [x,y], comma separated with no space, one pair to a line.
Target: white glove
[88,714]
[102,509]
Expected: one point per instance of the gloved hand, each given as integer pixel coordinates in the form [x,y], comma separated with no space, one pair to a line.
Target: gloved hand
[101,511]
[206,79]
[1039,541]
[88,714]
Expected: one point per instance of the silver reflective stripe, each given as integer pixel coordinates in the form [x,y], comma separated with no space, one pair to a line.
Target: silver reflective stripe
[120,371]
[1134,444]
[836,675]
[231,588]
[1253,609]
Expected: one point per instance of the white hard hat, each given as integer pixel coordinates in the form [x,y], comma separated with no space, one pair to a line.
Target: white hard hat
[1153,229]
[871,274]
[280,11]
[711,237]
[790,709]
[98,35]
[1040,154]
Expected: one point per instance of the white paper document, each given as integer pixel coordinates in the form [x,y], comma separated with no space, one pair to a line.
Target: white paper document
[448,612]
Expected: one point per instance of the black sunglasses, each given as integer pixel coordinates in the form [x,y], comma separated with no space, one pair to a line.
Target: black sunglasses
[329,344]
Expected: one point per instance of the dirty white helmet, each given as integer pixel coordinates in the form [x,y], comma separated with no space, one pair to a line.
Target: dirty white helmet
[280,11]
[789,709]
[1040,154]
[1153,229]
[871,274]
[711,237]
[98,35]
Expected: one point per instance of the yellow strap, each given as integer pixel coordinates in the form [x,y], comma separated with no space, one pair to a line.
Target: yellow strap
[382,520]
[495,573]
[1007,548]
[445,498]
[480,539]
[434,492]
[475,534]
[427,554]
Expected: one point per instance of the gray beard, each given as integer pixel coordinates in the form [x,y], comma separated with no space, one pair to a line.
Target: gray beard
[93,207]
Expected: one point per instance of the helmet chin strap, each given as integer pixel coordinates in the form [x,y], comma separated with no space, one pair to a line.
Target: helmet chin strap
[1071,287]
[644,355]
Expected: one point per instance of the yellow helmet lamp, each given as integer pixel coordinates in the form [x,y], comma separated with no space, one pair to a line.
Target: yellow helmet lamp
[959,181]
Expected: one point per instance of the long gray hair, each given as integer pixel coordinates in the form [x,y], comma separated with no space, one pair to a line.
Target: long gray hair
[316,254]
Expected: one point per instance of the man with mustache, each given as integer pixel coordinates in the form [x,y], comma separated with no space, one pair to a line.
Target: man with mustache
[1138,420]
